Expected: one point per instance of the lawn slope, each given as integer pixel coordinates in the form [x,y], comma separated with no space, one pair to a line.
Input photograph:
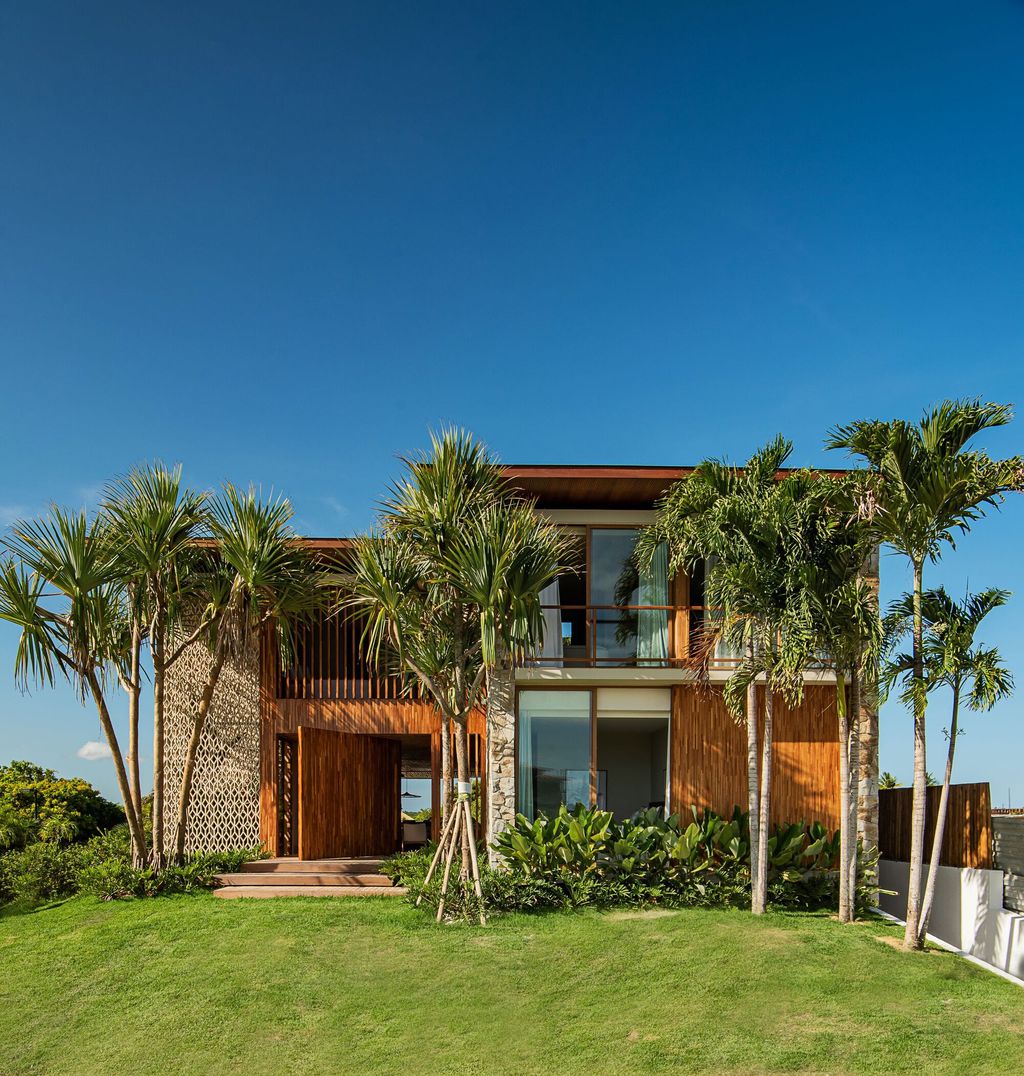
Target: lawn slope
[192,984]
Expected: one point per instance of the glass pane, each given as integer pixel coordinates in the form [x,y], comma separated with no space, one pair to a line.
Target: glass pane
[614,581]
[554,750]
[626,635]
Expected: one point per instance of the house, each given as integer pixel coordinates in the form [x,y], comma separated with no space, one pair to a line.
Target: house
[307,757]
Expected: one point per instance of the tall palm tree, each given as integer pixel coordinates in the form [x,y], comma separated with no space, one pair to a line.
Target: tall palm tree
[154,522]
[258,576]
[61,587]
[837,612]
[925,488]
[740,522]
[973,674]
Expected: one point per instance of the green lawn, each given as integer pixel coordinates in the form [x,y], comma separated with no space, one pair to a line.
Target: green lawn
[193,984]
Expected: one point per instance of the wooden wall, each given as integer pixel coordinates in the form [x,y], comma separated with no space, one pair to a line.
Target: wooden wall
[966,839]
[709,755]
[348,794]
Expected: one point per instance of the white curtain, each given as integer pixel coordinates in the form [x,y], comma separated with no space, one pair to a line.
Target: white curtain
[652,624]
[550,654]
[524,781]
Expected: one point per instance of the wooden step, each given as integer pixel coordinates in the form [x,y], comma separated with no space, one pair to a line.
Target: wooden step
[312,866]
[306,878]
[255,891]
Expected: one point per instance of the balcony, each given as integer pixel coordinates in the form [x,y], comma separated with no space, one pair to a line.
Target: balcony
[624,636]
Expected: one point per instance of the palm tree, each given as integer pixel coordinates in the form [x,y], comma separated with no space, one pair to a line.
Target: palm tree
[925,486]
[834,610]
[69,563]
[257,576]
[154,522]
[974,674]
[741,522]
[888,780]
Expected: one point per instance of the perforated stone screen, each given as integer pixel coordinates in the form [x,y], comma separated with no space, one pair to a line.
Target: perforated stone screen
[224,811]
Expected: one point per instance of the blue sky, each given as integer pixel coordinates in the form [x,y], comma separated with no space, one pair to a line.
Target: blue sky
[278,243]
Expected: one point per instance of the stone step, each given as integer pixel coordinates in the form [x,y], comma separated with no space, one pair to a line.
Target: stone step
[306,878]
[312,866]
[235,891]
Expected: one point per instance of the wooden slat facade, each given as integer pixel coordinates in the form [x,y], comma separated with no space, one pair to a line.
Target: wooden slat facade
[348,794]
[966,839]
[708,755]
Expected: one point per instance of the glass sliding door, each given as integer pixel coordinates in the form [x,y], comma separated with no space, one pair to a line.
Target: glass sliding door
[624,634]
[554,750]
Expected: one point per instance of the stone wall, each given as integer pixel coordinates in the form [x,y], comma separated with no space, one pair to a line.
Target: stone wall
[224,807]
[501,754]
[1008,848]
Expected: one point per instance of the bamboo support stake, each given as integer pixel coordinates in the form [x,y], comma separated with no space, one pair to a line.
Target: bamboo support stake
[437,855]
[449,859]
[475,865]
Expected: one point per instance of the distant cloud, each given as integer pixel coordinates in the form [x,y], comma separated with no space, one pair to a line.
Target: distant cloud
[335,506]
[93,751]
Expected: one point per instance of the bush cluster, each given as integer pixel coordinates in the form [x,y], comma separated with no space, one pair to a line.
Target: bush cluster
[46,871]
[585,857]
[37,805]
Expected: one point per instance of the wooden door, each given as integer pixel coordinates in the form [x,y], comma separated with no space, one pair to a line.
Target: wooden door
[349,794]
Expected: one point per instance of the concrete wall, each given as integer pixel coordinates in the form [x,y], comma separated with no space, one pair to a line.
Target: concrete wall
[968,912]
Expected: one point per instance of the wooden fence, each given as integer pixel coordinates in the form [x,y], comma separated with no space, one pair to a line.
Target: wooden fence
[967,840]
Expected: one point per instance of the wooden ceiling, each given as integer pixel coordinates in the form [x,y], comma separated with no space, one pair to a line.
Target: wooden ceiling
[594,486]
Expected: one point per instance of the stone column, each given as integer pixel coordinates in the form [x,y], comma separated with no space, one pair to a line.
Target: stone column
[501,754]
[867,793]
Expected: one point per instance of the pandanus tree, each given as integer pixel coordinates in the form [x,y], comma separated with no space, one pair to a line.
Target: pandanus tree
[446,587]
[153,521]
[252,576]
[61,587]
[975,676]
[926,487]
[740,522]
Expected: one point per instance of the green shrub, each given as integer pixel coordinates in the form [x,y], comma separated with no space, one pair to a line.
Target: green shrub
[44,871]
[585,857]
[37,805]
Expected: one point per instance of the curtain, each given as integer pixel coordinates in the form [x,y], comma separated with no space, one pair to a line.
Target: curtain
[524,781]
[551,650]
[652,624]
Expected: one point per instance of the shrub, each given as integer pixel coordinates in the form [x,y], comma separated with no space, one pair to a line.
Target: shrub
[585,857]
[37,805]
[44,871]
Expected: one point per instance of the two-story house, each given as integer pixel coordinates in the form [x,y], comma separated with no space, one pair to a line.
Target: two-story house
[308,759]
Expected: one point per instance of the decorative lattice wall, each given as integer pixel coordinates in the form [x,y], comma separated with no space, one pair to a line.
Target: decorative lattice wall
[224,811]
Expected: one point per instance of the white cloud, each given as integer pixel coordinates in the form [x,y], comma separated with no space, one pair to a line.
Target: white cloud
[93,751]
[11,514]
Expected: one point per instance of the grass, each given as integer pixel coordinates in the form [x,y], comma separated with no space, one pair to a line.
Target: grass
[193,984]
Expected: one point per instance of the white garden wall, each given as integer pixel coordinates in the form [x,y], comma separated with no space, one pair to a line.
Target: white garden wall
[968,912]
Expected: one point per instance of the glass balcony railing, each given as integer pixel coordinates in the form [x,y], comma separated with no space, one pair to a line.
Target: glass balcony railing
[630,636]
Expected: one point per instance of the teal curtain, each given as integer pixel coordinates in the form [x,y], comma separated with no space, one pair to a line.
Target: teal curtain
[652,624]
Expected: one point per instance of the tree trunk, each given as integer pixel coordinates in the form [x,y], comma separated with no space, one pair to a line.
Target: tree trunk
[188,770]
[752,777]
[940,823]
[157,648]
[867,793]
[912,934]
[446,767]
[134,687]
[765,802]
[851,816]
[843,707]
[133,817]
[465,789]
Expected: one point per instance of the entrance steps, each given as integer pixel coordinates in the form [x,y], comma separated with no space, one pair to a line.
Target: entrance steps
[287,877]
